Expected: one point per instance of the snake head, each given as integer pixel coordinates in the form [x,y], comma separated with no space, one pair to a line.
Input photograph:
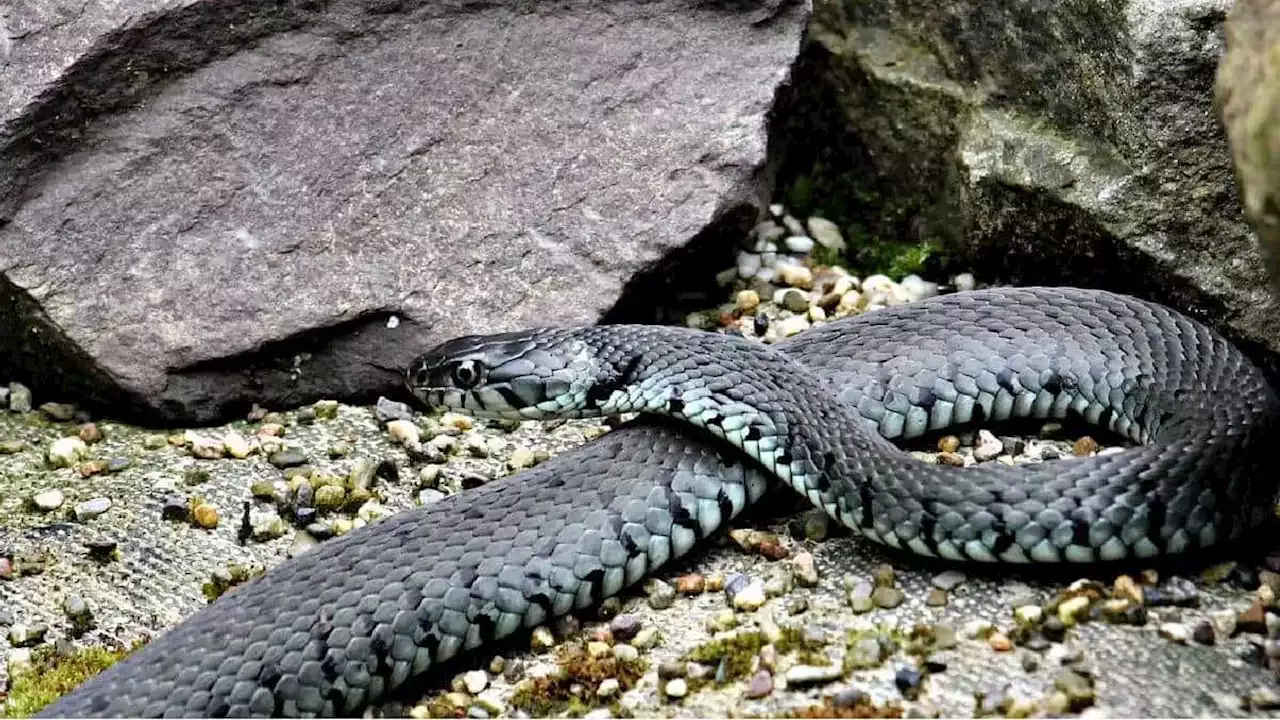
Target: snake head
[531,374]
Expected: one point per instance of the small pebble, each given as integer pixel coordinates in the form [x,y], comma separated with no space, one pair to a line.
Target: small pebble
[1084,447]
[676,688]
[90,509]
[760,685]
[608,688]
[289,457]
[660,594]
[999,642]
[805,569]
[1028,614]
[948,580]
[624,627]
[475,681]
[936,598]
[887,597]
[1204,633]
[1072,609]
[645,639]
[749,597]
[67,451]
[205,515]
[692,584]
[626,653]
[811,674]
[988,447]
[907,679]
[47,500]
[1175,632]
[542,639]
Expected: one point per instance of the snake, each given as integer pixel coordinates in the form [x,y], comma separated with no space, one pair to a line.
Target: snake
[721,417]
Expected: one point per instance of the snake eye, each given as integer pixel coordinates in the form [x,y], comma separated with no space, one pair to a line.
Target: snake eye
[466,374]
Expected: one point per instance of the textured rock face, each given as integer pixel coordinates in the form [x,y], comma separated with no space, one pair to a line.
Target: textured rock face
[1249,92]
[1066,142]
[206,204]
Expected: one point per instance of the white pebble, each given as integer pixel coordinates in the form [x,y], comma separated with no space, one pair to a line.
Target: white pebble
[766,274]
[918,288]
[964,282]
[796,276]
[1176,632]
[403,432]
[746,300]
[751,597]
[792,325]
[799,244]
[817,314]
[237,445]
[676,688]
[65,451]
[792,225]
[809,674]
[476,681]
[608,688]
[988,446]
[826,233]
[844,284]
[48,499]
[777,210]
[878,284]
[849,303]
[770,230]
[748,265]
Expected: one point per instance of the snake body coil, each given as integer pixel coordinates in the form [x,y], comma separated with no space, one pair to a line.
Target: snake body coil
[340,626]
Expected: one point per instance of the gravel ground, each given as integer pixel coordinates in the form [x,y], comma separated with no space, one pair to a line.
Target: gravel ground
[785,614]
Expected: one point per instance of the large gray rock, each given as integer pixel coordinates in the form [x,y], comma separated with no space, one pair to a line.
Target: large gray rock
[204,204]
[1249,95]
[1064,142]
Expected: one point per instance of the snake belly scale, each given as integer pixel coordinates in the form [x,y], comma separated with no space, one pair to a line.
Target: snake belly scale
[338,627]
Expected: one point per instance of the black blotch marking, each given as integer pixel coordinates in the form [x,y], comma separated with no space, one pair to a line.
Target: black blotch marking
[485,623]
[1106,417]
[1004,538]
[99,703]
[828,461]
[713,420]
[680,515]
[1054,384]
[784,457]
[929,525]
[511,397]
[675,406]
[1080,533]
[864,494]
[1157,513]
[329,668]
[379,648]
[925,398]
[979,413]
[542,600]
[219,709]
[1004,379]
[596,578]
[726,505]
[268,675]
[465,577]
[629,544]
[334,695]
[753,433]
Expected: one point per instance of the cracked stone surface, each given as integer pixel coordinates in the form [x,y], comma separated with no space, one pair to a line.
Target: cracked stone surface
[202,205]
